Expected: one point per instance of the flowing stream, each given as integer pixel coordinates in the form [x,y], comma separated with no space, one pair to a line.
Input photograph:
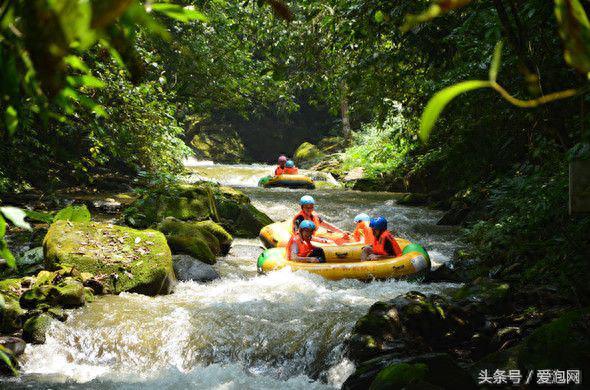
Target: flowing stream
[283,330]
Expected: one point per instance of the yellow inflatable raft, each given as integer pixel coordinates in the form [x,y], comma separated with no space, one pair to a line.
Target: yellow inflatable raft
[290,181]
[342,256]
[413,263]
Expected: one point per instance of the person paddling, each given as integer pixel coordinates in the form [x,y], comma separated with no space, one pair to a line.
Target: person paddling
[307,212]
[300,247]
[384,245]
[362,230]
[281,168]
[290,168]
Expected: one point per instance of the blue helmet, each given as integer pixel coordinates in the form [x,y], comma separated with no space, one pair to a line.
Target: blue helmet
[379,223]
[306,199]
[290,164]
[305,224]
[362,217]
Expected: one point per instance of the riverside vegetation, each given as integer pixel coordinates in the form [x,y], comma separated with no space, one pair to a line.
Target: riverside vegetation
[106,96]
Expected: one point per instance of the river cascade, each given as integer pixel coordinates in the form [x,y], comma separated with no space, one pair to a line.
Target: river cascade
[282,330]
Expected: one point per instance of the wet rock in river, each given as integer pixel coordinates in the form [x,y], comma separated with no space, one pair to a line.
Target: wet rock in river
[14,344]
[427,371]
[134,260]
[307,154]
[199,202]
[202,240]
[188,268]
[35,329]
[10,313]
[67,293]
[31,261]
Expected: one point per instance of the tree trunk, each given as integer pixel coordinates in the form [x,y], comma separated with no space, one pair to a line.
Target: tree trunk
[346,131]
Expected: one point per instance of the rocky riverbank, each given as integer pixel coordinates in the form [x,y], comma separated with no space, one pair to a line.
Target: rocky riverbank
[68,260]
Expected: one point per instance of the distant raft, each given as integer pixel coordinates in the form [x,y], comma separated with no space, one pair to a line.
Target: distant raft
[289,181]
[344,263]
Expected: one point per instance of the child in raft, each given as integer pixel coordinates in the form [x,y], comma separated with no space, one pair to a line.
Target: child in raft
[362,230]
[307,212]
[300,247]
[290,168]
[281,168]
[384,244]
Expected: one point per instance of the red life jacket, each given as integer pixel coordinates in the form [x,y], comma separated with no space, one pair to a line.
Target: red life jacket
[363,229]
[304,247]
[279,170]
[314,218]
[379,245]
[291,171]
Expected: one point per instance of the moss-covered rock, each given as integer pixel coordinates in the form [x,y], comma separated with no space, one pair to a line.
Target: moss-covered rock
[307,154]
[202,240]
[490,295]
[35,329]
[426,371]
[130,260]
[199,202]
[10,313]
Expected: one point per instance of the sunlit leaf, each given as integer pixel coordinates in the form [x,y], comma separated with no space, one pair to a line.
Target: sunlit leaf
[16,216]
[88,81]
[2,226]
[435,10]
[75,17]
[178,12]
[379,16]
[38,216]
[93,106]
[5,357]
[438,102]
[496,61]
[11,119]
[74,214]
[574,29]
[76,63]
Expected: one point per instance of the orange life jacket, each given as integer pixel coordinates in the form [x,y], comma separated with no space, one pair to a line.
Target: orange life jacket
[304,247]
[363,230]
[379,245]
[291,171]
[314,218]
[279,170]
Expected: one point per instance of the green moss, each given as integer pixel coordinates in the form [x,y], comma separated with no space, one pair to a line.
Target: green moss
[307,153]
[250,221]
[10,286]
[399,375]
[202,240]
[563,343]
[10,313]
[35,329]
[138,260]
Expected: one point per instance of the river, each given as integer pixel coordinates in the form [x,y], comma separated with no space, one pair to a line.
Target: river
[244,331]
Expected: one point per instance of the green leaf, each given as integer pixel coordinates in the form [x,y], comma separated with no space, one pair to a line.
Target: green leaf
[6,255]
[438,102]
[74,214]
[379,17]
[5,357]
[11,118]
[175,11]
[88,81]
[16,216]
[496,61]
[2,226]
[76,63]
[39,217]
[574,29]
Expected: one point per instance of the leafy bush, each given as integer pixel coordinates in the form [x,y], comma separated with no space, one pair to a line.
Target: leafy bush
[380,147]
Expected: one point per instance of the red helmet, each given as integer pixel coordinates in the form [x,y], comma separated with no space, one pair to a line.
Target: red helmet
[282,159]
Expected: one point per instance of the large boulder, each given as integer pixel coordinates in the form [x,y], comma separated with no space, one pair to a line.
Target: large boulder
[131,260]
[188,268]
[410,324]
[307,154]
[35,329]
[428,371]
[199,202]
[203,240]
